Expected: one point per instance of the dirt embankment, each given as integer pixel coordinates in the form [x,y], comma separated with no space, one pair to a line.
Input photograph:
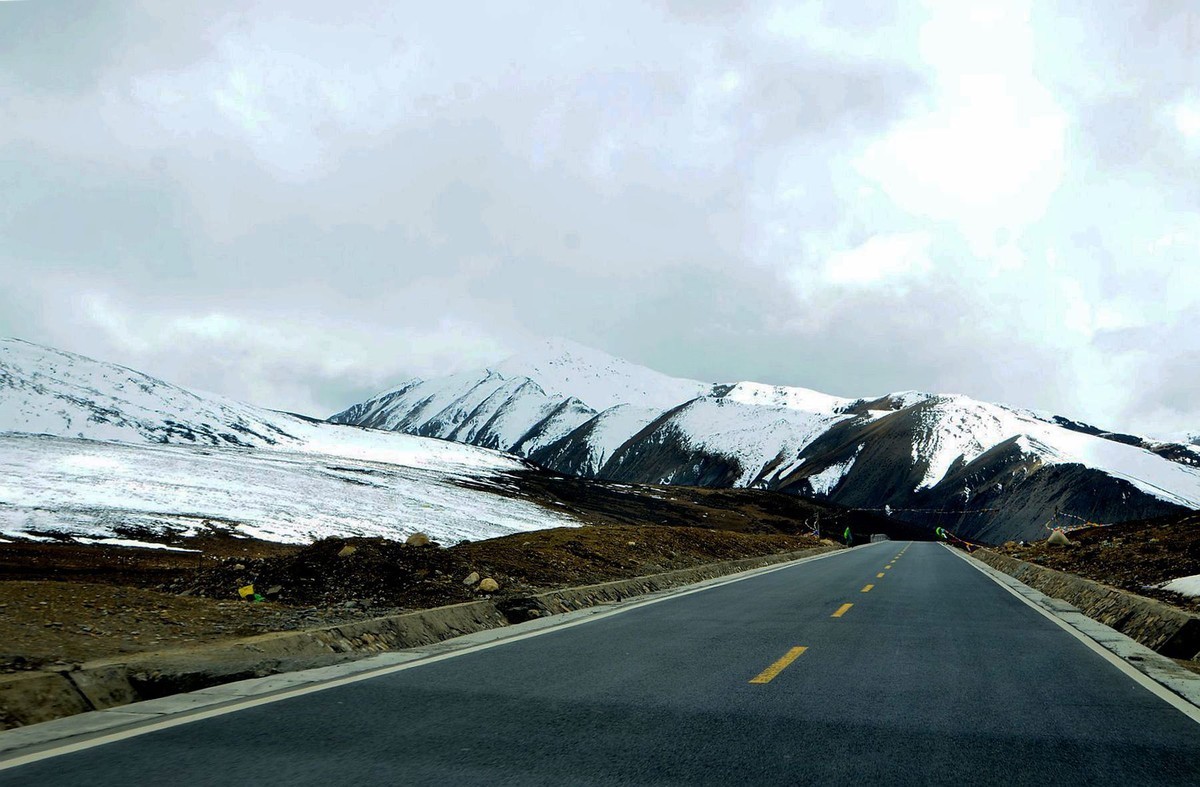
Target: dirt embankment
[67,602]
[1134,556]
[63,603]
[377,573]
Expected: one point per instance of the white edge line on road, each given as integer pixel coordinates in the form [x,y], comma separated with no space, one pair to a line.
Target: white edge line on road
[1155,688]
[189,717]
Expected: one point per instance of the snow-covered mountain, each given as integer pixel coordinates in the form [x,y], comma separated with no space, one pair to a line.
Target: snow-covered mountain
[580,411]
[98,451]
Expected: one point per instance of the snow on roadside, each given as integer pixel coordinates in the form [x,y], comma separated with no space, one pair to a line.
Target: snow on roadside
[1185,586]
[130,542]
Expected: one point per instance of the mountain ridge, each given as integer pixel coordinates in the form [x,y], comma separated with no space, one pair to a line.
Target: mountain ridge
[1000,472]
[892,451]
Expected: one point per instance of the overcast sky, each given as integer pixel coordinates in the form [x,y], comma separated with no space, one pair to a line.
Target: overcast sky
[300,203]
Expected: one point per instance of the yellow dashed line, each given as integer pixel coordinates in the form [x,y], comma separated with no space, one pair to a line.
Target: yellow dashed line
[867,589]
[842,610]
[767,675]
[879,575]
[889,565]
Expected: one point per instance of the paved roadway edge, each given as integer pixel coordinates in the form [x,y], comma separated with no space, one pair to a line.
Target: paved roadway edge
[1162,677]
[25,745]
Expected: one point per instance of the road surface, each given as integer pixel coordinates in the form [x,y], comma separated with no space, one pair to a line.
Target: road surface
[859,668]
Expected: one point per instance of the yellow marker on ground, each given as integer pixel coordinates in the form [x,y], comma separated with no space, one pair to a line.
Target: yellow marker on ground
[879,575]
[867,589]
[767,675]
[842,610]
[889,565]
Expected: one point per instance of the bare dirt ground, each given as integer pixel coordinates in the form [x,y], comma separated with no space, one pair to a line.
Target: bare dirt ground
[1134,556]
[64,603]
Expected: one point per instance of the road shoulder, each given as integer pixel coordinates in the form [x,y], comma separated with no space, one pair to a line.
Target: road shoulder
[1158,674]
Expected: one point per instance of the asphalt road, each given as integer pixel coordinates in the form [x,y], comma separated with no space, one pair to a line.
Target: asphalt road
[934,675]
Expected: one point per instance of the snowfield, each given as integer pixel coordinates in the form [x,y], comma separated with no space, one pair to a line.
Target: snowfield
[97,490]
[90,448]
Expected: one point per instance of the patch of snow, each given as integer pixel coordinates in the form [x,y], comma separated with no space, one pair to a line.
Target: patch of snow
[1187,586]
[128,542]
[824,482]
[953,428]
[784,396]
[906,399]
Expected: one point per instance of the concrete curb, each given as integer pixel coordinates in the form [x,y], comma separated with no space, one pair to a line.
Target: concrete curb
[165,677]
[1160,627]
[1157,667]
[35,697]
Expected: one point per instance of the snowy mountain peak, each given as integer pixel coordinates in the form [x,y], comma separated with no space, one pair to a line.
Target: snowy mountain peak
[48,391]
[564,368]
[786,396]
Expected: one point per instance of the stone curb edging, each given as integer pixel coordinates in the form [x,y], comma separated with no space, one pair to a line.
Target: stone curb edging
[36,697]
[1160,627]
[102,685]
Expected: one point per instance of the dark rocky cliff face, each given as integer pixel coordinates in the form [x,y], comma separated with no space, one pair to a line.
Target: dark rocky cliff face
[665,455]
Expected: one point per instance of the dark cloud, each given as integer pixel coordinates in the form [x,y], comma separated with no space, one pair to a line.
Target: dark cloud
[61,45]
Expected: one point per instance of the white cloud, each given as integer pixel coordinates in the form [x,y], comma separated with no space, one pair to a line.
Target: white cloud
[881,258]
[259,358]
[1187,118]
[987,152]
